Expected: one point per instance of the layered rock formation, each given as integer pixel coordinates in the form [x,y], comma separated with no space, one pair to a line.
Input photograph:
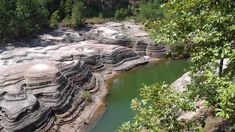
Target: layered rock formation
[42,79]
[126,34]
[50,93]
[96,56]
[34,95]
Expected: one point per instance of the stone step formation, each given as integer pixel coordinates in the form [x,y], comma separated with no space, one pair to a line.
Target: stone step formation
[43,81]
[31,99]
[126,34]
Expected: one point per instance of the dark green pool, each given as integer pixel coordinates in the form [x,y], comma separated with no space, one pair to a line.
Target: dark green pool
[126,87]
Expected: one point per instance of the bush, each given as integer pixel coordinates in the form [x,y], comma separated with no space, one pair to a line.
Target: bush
[101,15]
[68,6]
[77,13]
[86,95]
[150,11]
[54,19]
[120,14]
[67,21]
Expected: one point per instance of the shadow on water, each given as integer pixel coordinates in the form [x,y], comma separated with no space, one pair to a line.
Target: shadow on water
[126,86]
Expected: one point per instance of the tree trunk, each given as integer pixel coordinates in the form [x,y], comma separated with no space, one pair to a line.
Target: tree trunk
[221,67]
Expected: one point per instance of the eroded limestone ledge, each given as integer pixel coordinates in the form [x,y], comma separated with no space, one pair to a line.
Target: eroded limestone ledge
[35,96]
[42,79]
[126,34]
[96,56]
[39,93]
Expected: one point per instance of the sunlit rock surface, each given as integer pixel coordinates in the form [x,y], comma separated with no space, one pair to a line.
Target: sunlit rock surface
[126,34]
[42,78]
[34,95]
[43,92]
[180,85]
[96,56]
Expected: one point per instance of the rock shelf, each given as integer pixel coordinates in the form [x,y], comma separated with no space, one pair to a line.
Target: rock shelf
[126,34]
[42,92]
[96,56]
[43,79]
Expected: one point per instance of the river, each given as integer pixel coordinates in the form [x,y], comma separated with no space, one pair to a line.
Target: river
[125,87]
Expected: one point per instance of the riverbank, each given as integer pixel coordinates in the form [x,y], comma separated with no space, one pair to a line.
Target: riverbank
[108,82]
[125,86]
[96,108]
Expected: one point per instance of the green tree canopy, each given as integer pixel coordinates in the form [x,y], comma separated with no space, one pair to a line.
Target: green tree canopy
[208,27]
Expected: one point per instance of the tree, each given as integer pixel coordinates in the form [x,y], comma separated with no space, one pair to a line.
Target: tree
[68,6]
[19,17]
[54,19]
[7,17]
[208,27]
[120,14]
[150,10]
[77,13]
[31,15]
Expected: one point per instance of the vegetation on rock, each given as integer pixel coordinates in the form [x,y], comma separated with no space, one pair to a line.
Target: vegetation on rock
[86,95]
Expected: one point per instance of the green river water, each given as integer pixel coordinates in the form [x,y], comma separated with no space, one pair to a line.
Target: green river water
[126,86]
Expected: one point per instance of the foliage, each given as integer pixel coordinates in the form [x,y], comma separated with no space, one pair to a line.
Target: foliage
[158,110]
[179,51]
[68,7]
[19,17]
[77,13]
[227,102]
[22,17]
[208,26]
[86,95]
[54,19]
[106,7]
[150,10]
[120,14]
[101,15]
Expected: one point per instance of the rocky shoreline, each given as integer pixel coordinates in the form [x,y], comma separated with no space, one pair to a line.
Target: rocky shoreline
[59,79]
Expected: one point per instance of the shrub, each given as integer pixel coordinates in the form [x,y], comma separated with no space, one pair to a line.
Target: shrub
[68,6]
[120,14]
[54,19]
[77,13]
[150,11]
[86,95]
